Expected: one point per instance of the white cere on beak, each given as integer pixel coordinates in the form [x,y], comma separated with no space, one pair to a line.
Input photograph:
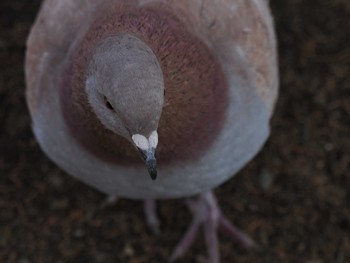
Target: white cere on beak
[153,139]
[140,141]
[145,144]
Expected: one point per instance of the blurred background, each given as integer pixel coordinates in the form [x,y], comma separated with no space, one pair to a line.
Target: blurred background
[293,198]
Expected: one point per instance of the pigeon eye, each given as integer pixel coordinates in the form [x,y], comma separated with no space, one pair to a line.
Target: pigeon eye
[107,103]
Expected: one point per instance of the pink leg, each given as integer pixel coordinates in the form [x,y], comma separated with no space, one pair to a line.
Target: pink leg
[211,240]
[150,210]
[207,213]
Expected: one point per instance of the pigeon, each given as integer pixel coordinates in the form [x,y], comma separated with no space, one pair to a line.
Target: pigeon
[154,99]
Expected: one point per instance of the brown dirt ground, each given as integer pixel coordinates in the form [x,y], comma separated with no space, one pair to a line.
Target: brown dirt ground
[293,198]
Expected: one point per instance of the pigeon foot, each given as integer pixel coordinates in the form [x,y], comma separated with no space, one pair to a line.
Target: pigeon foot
[207,214]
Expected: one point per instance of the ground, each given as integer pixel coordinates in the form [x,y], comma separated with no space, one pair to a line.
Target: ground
[293,198]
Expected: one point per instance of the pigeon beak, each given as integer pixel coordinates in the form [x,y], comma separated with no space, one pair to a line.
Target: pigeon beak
[147,149]
[151,162]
